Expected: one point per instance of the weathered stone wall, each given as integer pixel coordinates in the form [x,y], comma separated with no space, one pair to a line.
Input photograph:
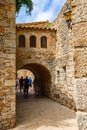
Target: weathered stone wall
[7,64]
[64,88]
[79,18]
[71,26]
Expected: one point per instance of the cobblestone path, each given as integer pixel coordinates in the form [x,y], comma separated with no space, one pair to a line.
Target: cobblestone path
[41,113]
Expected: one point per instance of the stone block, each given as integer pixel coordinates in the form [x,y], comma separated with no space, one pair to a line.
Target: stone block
[81,94]
[9,82]
[2,29]
[82,120]
[13,107]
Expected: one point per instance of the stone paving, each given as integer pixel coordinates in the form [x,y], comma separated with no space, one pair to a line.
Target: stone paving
[41,113]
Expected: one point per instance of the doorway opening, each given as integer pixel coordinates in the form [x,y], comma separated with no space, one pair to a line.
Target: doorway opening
[38,73]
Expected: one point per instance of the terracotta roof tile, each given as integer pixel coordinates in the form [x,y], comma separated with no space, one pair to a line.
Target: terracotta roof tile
[36,25]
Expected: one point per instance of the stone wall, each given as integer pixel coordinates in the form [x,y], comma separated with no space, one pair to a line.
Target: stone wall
[7,64]
[71,25]
[64,90]
[79,18]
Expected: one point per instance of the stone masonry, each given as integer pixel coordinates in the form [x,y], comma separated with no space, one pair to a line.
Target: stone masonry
[61,67]
[38,60]
[71,25]
[64,90]
[7,64]
[79,21]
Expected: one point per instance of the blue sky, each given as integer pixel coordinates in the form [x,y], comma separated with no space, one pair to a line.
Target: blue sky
[42,10]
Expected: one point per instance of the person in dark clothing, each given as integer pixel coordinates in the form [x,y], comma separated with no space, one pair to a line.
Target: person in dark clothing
[26,85]
[21,83]
[36,86]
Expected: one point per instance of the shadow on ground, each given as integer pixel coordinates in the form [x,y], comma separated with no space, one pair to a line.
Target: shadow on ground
[41,113]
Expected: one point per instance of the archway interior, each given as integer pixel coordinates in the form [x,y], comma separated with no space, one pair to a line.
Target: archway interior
[40,72]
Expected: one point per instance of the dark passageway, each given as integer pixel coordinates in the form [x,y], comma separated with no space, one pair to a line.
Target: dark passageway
[43,76]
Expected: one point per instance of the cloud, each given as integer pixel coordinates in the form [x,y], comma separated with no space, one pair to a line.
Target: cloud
[43,10]
[43,16]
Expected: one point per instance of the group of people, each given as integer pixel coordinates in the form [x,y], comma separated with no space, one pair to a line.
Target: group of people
[24,84]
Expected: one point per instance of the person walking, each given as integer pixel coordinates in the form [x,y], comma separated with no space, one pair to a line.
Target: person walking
[36,86]
[26,85]
[30,81]
[21,83]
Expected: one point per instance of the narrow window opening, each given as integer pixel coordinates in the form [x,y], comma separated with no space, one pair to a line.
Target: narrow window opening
[43,42]
[69,23]
[64,71]
[32,41]
[21,41]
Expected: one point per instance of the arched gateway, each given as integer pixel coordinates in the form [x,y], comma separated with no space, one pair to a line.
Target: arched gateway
[33,56]
[43,75]
[56,53]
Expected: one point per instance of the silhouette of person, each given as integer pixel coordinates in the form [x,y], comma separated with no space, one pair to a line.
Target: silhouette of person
[26,85]
[21,82]
[36,86]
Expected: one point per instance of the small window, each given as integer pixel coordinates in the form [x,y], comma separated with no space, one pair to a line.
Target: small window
[21,41]
[69,23]
[32,41]
[64,72]
[43,42]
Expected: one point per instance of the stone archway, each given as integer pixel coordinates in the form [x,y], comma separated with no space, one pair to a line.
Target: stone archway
[43,75]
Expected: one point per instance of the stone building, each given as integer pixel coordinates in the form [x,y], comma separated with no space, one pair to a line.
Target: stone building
[36,44]
[54,52]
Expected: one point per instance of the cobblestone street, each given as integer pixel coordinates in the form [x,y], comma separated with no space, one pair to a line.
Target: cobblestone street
[41,113]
